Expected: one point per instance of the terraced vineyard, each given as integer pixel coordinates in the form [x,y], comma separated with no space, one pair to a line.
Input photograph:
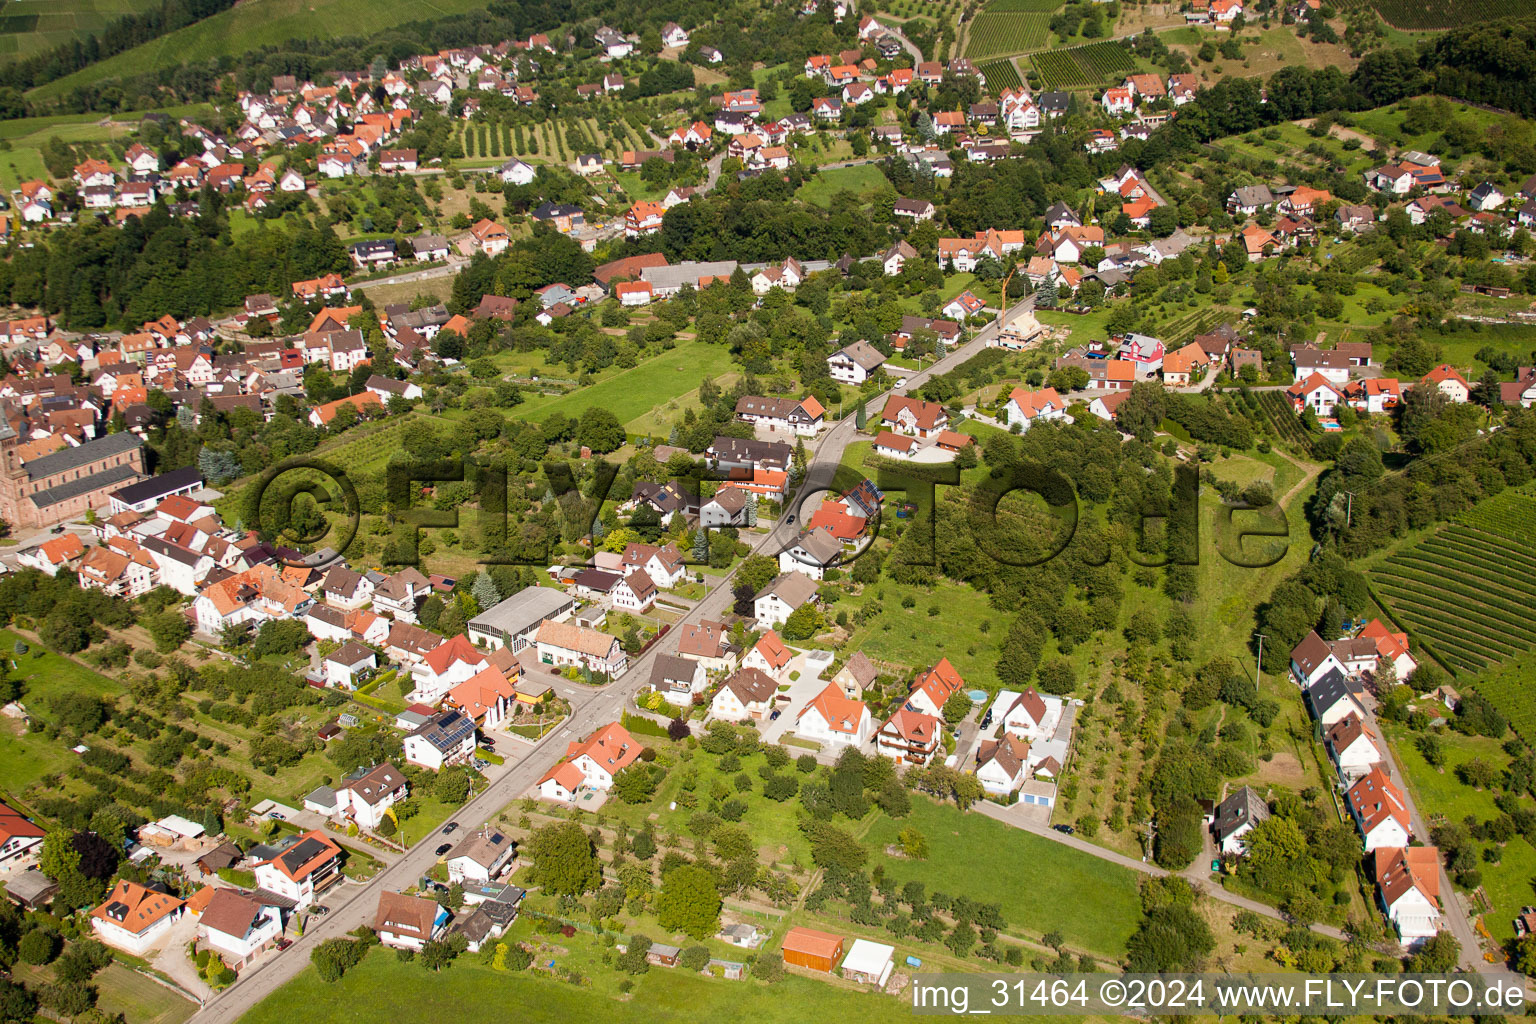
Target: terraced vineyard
[1000,75]
[1282,418]
[1511,694]
[1038,6]
[1083,65]
[992,34]
[1178,332]
[1430,14]
[1467,591]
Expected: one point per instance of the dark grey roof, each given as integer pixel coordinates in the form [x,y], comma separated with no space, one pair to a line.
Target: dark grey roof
[1254,195]
[447,730]
[160,546]
[743,450]
[1244,807]
[160,486]
[667,668]
[1328,691]
[84,455]
[522,611]
[86,484]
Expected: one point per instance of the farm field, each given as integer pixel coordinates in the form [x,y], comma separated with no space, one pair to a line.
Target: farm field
[562,140]
[994,33]
[140,999]
[1000,75]
[28,27]
[1083,65]
[254,24]
[1418,15]
[1509,688]
[1466,590]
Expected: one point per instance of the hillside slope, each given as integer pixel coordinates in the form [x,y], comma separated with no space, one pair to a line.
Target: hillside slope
[258,23]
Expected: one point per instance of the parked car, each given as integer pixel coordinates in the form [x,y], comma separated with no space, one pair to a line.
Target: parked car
[283,943]
[450,828]
[444,849]
[278,815]
[1065,830]
[319,910]
[774,715]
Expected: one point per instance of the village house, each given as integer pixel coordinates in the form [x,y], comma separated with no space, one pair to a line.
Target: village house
[1352,748]
[590,764]
[856,363]
[677,676]
[1379,811]
[833,720]
[135,919]
[707,643]
[238,927]
[447,738]
[768,655]
[1002,765]
[1236,816]
[933,687]
[856,676]
[811,553]
[909,737]
[1408,887]
[300,868]
[1025,408]
[746,694]
[775,603]
[913,416]
[802,417]
[480,857]
[562,643]
[408,922]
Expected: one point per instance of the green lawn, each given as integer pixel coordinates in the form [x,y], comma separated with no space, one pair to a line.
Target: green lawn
[911,636]
[140,999]
[642,391]
[1507,883]
[43,676]
[1042,885]
[774,825]
[860,178]
[383,988]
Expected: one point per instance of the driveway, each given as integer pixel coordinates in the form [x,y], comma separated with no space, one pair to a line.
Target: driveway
[172,959]
[800,693]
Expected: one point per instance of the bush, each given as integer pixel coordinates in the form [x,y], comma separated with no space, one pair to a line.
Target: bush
[38,947]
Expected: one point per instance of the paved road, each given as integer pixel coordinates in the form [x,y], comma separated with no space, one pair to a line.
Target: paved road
[1455,916]
[453,266]
[906,44]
